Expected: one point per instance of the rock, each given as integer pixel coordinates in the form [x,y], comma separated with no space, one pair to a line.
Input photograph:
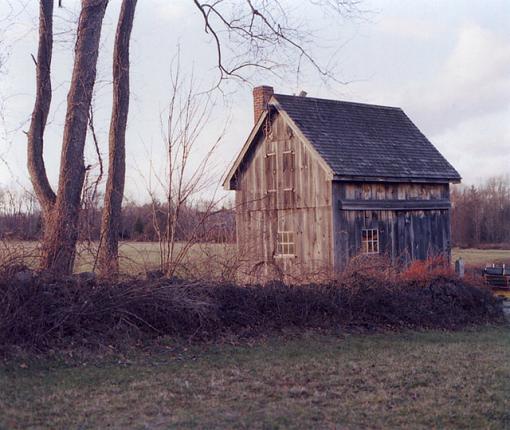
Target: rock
[154,274]
[86,276]
[25,275]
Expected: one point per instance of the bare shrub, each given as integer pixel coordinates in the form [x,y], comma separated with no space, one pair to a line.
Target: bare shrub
[48,312]
[17,256]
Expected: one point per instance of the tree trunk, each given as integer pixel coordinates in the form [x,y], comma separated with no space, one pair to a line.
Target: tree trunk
[35,160]
[110,223]
[60,242]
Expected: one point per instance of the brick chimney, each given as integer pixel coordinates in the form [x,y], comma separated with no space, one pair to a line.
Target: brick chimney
[261,96]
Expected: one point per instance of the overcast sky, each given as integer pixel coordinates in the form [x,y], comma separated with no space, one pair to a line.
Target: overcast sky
[446,63]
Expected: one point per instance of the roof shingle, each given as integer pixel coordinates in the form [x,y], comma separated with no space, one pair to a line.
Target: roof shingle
[358,139]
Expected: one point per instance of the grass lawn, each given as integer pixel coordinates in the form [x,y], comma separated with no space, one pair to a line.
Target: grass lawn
[407,380]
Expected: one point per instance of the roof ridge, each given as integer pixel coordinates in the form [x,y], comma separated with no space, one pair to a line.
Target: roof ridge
[339,101]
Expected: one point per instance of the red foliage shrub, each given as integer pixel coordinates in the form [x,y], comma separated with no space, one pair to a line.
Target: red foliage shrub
[421,270]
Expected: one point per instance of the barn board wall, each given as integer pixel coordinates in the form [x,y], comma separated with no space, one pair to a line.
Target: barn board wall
[307,209]
[404,235]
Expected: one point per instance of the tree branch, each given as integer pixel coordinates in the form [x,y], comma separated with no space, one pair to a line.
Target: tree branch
[255,28]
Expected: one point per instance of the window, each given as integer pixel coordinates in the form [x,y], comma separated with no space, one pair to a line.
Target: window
[284,239]
[285,243]
[370,241]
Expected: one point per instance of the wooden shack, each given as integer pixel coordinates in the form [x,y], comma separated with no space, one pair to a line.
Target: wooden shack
[320,181]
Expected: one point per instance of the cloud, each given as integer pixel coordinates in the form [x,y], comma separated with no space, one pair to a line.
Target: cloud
[409,28]
[171,10]
[474,80]
[478,147]
[464,107]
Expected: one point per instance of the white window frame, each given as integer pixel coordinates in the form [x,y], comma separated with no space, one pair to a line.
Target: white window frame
[285,244]
[370,241]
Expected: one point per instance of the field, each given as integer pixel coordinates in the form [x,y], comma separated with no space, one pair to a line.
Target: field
[406,380]
[147,253]
[137,257]
[481,257]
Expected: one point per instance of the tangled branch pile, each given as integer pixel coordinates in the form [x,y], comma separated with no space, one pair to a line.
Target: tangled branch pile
[40,312]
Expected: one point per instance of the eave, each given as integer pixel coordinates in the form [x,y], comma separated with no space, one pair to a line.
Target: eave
[394,205]
[227,181]
[407,179]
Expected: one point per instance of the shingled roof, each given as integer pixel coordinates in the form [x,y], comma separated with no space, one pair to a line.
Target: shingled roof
[362,140]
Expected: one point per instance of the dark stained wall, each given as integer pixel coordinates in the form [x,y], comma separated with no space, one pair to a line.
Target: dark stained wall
[404,234]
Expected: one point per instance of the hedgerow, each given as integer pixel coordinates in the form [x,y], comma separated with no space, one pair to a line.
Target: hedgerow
[41,311]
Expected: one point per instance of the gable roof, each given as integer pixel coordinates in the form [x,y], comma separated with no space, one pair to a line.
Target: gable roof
[359,140]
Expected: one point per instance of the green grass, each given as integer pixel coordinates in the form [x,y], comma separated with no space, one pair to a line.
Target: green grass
[406,380]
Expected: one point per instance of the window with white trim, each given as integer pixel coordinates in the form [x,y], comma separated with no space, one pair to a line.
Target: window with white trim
[285,245]
[370,241]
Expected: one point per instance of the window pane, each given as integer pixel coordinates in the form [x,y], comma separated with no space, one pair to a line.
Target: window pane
[369,240]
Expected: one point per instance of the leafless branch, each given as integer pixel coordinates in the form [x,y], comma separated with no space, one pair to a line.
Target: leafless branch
[259,33]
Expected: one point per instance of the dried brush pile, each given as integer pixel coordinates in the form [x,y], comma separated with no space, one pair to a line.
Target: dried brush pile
[41,312]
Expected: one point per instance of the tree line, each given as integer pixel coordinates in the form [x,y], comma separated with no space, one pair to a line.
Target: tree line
[481,214]
[480,218]
[21,219]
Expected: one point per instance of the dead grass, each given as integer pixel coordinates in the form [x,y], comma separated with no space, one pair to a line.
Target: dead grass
[481,257]
[210,259]
[406,380]
[136,257]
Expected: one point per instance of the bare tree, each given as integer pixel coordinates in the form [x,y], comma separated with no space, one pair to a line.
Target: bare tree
[249,34]
[108,248]
[61,209]
[183,215]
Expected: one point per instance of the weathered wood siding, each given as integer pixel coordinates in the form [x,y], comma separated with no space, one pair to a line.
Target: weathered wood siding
[283,182]
[404,235]
[284,185]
